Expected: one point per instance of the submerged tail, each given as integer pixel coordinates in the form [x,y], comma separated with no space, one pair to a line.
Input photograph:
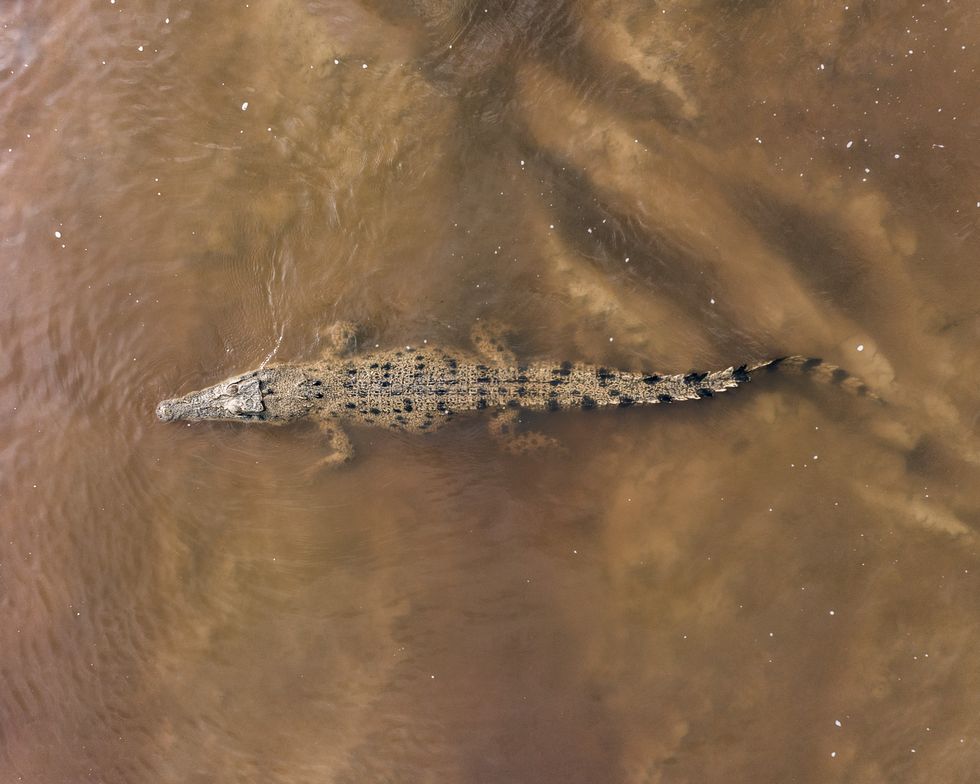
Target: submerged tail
[823,372]
[591,386]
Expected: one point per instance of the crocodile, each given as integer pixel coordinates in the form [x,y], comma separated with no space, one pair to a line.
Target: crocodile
[421,389]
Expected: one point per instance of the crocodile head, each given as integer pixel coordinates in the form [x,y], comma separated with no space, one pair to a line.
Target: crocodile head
[238,398]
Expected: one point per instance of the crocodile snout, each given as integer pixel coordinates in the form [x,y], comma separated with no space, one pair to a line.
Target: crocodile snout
[165,411]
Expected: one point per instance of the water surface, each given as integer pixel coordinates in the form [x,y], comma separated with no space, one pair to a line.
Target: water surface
[780,584]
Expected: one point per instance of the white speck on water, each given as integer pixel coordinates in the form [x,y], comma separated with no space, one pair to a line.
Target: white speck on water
[139,48]
[364,65]
[244,105]
[833,754]
[712,300]
[833,612]
[837,722]
[167,20]
[57,235]
[551,225]
[860,347]
[627,259]
[816,457]
[897,156]
[610,340]
[850,144]
[336,62]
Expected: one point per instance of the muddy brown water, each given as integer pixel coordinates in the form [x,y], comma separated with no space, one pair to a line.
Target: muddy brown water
[779,584]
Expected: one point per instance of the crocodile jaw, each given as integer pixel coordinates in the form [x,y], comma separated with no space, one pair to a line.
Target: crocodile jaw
[235,399]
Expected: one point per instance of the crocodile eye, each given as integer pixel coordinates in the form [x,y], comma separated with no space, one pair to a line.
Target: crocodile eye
[233,389]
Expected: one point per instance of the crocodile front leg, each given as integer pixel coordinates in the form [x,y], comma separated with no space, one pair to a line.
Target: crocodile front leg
[340,338]
[341,449]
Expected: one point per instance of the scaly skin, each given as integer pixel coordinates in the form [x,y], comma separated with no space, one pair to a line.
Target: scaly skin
[419,390]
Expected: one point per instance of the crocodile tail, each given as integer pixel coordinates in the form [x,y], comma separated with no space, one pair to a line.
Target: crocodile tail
[816,368]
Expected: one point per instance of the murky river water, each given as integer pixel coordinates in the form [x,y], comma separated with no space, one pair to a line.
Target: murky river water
[779,585]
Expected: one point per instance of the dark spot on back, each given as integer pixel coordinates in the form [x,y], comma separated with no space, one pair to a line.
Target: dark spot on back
[839,375]
[665,398]
[375,411]
[626,402]
[740,374]
[694,377]
[481,403]
[652,379]
[588,402]
[706,393]
[553,404]
[774,364]
[810,364]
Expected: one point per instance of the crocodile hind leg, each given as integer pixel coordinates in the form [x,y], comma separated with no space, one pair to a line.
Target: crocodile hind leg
[341,449]
[340,338]
[488,338]
[503,428]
